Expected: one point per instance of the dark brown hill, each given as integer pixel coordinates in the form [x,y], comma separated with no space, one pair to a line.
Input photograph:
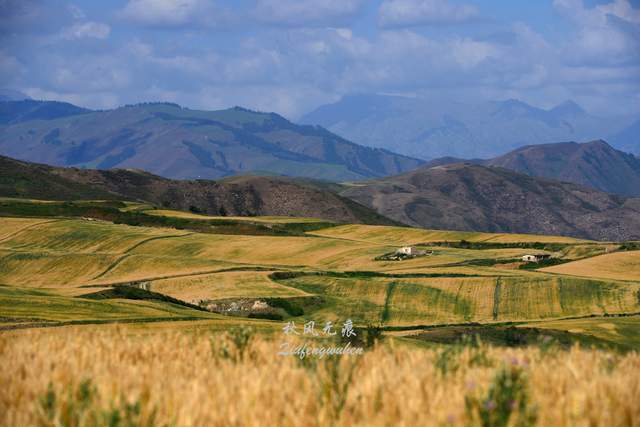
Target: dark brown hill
[593,164]
[241,196]
[492,199]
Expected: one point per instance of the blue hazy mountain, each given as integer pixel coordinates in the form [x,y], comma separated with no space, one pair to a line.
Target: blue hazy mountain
[177,142]
[436,128]
[12,95]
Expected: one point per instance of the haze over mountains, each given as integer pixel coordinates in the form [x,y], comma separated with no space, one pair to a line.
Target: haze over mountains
[132,151]
[430,129]
[176,142]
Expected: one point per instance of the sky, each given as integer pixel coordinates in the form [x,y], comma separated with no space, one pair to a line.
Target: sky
[291,56]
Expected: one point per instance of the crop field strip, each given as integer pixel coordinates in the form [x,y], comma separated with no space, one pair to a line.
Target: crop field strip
[614,266]
[192,266]
[32,303]
[623,330]
[222,285]
[459,300]
[127,253]
[14,226]
[397,236]
[262,219]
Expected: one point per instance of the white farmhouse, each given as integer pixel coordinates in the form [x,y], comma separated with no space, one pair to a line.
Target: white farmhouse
[535,257]
[407,250]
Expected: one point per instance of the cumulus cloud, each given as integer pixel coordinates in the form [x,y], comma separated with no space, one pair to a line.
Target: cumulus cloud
[292,55]
[175,13]
[607,33]
[301,13]
[408,13]
[11,69]
[76,12]
[89,29]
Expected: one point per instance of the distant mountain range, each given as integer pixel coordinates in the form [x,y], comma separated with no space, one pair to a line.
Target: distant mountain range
[238,196]
[481,198]
[430,129]
[593,164]
[175,142]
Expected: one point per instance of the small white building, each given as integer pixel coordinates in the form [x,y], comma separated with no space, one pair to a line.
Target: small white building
[259,305]
[407,250]
[412,251]
[535,257]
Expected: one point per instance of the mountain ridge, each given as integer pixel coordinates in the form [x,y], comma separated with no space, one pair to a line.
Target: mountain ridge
[430,128]
[471,197]
[238,196]
[181,143]
[594,164]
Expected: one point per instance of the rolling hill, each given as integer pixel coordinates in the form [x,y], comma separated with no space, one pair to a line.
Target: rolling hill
[461,196]
[431,128]
[593,164]
[480,198]
[242,196]
[175,142]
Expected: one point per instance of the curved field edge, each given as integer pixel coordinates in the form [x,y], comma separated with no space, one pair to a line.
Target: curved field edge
[614,266]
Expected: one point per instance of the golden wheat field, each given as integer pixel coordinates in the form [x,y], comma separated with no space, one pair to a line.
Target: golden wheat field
[402,235]
[616,266]
[96,378]
[115,325]
[260,219]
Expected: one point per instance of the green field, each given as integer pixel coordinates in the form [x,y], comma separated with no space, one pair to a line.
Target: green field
[50,267]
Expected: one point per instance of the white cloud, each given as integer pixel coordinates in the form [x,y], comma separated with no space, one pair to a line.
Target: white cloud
[598,15]
[175,13]
[407,13]
[11,69]
[606,34]
[90,29]
[469,53]
[302,13]
[76,12]
[289,101]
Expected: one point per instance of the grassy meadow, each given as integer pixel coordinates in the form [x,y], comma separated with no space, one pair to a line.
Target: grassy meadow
[144,323]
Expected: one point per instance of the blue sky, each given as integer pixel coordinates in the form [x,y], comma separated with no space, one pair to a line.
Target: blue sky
[291,56]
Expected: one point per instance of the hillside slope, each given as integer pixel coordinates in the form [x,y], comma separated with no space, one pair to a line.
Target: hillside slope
[240,196]
[479,198]
[180,143]
[594,164]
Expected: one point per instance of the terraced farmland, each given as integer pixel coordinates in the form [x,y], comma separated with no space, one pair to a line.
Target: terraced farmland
[68,258]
